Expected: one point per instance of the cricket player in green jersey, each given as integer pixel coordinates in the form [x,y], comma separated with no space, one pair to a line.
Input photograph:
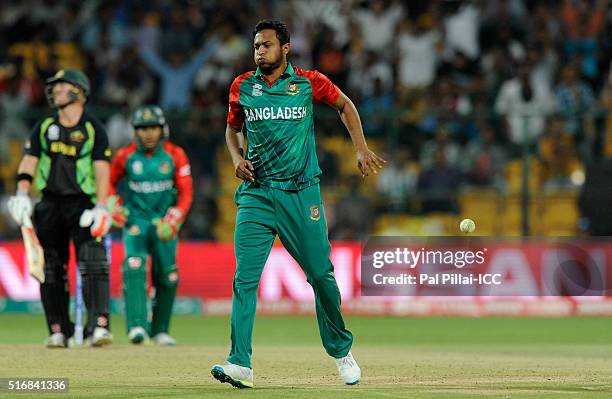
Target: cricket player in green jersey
[280,194]
[156,195]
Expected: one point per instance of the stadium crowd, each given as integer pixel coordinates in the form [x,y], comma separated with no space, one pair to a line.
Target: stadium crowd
[451,91]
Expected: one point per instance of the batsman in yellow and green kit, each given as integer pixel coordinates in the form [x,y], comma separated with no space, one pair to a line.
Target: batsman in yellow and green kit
[150,205]
[280,195]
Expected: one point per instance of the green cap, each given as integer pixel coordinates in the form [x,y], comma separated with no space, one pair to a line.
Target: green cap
[148,115]
[73,76]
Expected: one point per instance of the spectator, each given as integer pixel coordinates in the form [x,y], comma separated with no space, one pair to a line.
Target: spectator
[220,70]
[377,110]
[575,99]
[127,83]
[417,46]
[557,155]
[148,32]
[366,70]
[329,58]
[177,75]
[438,185]
[397,182]
[441,142]
[460,70]
[178,32]
[353,214]
[13,106]
[525,105]
[504,26]
[107,24]
[377,25]
[461,30]
[484,160]
[583,24]
[328,162]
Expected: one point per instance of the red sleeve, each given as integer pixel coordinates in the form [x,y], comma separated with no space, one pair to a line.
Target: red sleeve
[597,21]
[235,114]
[182,177]
[323,89]
[570,17]
[118,166]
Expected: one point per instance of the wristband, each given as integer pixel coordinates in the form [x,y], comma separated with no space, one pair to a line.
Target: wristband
[24,176]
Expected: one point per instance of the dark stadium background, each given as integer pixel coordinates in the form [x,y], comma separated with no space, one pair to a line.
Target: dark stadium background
[428,78]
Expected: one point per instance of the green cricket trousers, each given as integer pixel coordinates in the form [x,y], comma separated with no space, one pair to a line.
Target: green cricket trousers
[298,218]
[140,239]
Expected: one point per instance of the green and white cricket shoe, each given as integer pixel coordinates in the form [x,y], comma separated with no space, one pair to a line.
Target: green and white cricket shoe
[56,340]
[137,335]
[349,369]
[237,376]
[164,339]
[101,337]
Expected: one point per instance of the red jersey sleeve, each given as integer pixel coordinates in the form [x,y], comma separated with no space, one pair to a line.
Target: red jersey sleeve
[182,177]
[117,170]
[323,89]
[235,114]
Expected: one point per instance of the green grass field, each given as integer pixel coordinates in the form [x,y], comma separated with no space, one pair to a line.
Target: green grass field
[400,358]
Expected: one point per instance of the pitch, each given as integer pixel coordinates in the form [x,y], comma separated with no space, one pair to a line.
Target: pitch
[400,358]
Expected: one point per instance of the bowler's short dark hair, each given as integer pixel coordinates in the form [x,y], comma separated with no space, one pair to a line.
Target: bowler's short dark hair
[282,33]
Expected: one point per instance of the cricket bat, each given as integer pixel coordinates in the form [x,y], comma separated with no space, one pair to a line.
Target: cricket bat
[35,256]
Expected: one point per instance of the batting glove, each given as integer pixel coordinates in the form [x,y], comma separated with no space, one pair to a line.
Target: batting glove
[97,219]
[167,228]
[118,212]
[20,207]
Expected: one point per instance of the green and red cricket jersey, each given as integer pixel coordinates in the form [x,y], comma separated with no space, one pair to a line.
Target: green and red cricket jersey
[279,124]
[154,181]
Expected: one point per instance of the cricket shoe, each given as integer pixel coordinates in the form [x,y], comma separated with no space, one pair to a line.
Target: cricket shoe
[101,337]
[238,376]
[348,369]
[137,335]
[56,340]
[164,339]
[71,342]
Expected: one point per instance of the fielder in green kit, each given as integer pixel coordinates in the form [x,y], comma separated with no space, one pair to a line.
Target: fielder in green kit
[154,201]
[280,193]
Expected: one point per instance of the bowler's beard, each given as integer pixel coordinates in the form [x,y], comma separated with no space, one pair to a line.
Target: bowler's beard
[267,69]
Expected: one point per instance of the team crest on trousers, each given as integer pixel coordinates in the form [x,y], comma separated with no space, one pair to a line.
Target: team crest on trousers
[315,214]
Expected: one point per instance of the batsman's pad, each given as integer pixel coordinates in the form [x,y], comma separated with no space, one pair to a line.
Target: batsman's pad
[55,295]
[94,268]
[92,258]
